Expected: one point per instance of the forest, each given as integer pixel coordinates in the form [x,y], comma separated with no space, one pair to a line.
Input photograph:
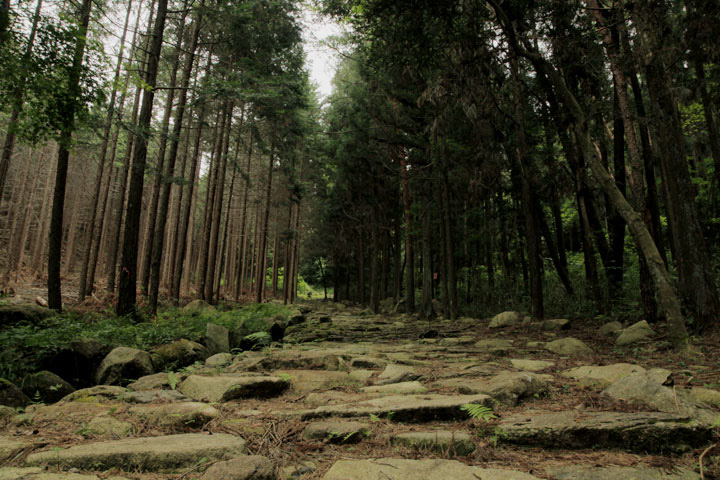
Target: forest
[556,158]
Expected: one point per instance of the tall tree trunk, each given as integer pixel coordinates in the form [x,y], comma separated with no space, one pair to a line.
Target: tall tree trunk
[128,265]
[427,264]
[697,282]
[152,222]
[68,107]
[18,93]
[260,283]
[95,230]
[409,257]
[242,263]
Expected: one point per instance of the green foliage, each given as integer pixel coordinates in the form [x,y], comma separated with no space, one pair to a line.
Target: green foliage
[479,412]
[24,347]
[173,380]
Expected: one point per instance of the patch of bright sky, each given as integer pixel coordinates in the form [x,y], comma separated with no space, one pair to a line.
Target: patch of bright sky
[322,58]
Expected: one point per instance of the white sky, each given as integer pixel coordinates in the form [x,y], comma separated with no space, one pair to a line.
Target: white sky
[322,60]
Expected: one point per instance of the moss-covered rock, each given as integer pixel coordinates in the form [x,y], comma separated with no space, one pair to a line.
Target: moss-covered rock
[178,354]
[46,386]
[198,307]
[78,362]
[11,395]
[31,313]
[122,365]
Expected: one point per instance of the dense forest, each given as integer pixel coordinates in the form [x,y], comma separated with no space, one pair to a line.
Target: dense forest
[554,157]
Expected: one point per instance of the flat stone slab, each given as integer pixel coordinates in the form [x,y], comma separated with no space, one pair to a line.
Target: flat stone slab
[402,388]
[530,365]
[427,469]
[224,388]
[394,373]
[180,416]
[247,467]
[405,408]
[304,381]
[636,432]
[506,387]
[150,454]
[589,472]
[602,375]
[10,447]
[35,473]
[337,431]
[439,441]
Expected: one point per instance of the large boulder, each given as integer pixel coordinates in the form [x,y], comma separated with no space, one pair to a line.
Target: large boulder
[16,313]
[178,354]
[217,339]
[178,416]
[570,347]
[198,307]
[647,388]
[274,328]
[122,365]
[46,386]
[11,395]
[394,373]
[506,319]
[638,332]
[78,362]
[222,388]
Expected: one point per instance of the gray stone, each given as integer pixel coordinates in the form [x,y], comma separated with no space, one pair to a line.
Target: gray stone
[496,346]
[610,328]
[340,432]
[591,472]
[405,408]
[394,373]
[506,319]
[506,387]
[45,386]
[530,365]
[636,432]
[9,448]
[706,396]
[602,375]
[223,388]
[107,425]
[180,416]
[458,341]
[366,361]
[198,307]
[426,469]
[35,473]
[156,381]
[549,325]
[645,388]
[154,396]
[123,364]
[310,360]
[571,347]
[439,441]
[110,392]
[178,354]
[637,332]
[247,467]
[217,339]
[150,454]
[304,381]
[7,412]
[292,472]
[219,360]
[11,395]
[396,388]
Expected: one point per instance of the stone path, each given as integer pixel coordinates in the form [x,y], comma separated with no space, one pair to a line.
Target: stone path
[351,395]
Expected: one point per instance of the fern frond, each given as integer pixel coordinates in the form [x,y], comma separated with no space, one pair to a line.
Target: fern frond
[478,412]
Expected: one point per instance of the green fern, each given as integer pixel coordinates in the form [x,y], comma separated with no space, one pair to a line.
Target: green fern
[479,412]
[258,336]
[172,380]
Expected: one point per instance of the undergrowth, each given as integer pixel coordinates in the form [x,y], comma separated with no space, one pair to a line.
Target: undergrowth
[25,347]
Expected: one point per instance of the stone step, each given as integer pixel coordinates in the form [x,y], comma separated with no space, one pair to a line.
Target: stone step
[590,472]
[150,454]
[637,432]
[223,388]
[405,408]
[427,469]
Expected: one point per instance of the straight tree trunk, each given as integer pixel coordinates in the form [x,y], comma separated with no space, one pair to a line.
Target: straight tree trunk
[127,291]
[68,108]
[95,230]
[409,258]
[260,286]
[242,263]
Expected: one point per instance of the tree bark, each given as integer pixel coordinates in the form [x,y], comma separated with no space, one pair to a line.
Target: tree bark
[127,291]
[68,107]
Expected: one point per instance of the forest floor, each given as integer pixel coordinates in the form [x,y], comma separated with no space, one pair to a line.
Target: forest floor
[354,384]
